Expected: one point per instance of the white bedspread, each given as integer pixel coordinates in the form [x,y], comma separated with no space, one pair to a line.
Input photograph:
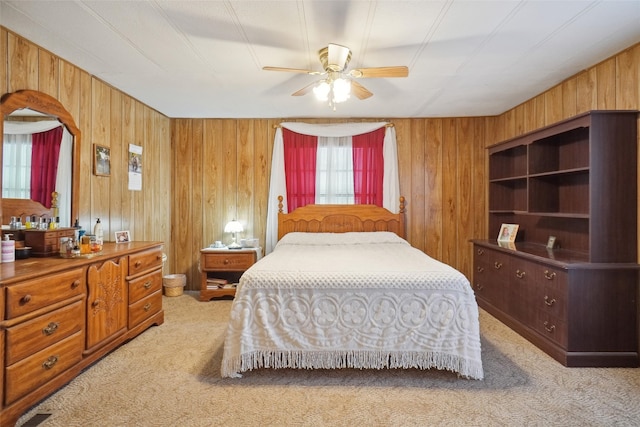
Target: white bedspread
[359,300]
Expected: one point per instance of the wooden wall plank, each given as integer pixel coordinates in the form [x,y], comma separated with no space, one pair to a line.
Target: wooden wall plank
[606,72]
[48,73]
[417,168]
[627,84]
[449,190]
[586,91]
[118,174]
[22,64]
[4,75]
[100,135]
[433,189]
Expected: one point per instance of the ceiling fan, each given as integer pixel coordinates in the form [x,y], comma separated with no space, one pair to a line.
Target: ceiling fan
[339,83]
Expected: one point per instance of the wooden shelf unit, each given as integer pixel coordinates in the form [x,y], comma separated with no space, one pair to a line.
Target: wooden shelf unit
[576,180]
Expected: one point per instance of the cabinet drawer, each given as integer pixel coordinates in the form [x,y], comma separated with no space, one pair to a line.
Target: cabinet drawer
[490,276]
[32,336]
[144,286]
[36,370]
[551,296]
[229,262]
[144,261]
[44,291]
[144,309]
[552,328]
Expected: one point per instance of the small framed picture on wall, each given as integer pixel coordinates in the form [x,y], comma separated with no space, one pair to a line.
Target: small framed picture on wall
[101,160]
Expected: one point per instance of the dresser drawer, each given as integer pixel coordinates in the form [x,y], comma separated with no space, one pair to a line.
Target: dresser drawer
[42,292]
[36,370]
[32,336]
[490,276]
[552,328]
[144,286]
[144,261]
[144,309]
[229,261]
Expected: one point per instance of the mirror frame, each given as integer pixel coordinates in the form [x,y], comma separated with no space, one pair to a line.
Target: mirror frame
[46,104]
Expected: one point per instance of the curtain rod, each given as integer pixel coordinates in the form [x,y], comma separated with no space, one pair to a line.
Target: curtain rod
[388,125]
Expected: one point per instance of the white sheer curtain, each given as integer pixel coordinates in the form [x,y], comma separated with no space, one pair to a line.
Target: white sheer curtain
[334,171]
[278,186]
[17,163]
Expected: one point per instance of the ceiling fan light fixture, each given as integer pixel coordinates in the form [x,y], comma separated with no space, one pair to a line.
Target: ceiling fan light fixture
[341,90]
[321,90]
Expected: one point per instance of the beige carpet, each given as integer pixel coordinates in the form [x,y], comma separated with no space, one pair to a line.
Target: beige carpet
[170,376]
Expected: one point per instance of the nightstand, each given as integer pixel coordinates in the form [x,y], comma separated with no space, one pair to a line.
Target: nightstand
[224,265]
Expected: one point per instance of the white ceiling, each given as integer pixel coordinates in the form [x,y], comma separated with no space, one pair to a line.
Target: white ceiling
[204,58]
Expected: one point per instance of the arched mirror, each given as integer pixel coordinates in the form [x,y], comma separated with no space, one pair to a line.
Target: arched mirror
[24,103]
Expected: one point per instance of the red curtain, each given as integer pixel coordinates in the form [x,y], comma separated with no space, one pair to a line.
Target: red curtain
[368,167]
[299,168]
[45,151]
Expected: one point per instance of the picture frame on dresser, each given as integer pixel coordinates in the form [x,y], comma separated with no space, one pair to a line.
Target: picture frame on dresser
[508,233]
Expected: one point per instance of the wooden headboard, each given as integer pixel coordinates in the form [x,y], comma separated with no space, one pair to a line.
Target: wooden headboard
[340,219]
[22,208]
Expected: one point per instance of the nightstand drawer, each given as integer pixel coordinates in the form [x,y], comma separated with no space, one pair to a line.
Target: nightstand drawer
[238,261]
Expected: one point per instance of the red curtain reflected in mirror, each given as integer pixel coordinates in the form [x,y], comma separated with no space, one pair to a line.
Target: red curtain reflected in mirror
[45,151]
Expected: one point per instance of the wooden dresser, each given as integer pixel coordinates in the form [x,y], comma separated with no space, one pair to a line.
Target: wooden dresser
[577,181]
[58,316]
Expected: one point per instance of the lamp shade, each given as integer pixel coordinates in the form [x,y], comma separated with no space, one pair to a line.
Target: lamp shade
[233,227]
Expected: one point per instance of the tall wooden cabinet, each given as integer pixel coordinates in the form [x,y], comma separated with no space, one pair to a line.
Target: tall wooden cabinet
[575,180]
[58,316]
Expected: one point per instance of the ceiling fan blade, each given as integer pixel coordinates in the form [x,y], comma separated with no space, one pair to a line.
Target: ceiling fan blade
[305,90]
[338,56]
[399,71]
[293,70]
[360,91]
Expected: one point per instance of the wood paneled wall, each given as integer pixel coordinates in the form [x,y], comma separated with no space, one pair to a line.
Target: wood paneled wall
[109,117]
[442,175]
[200,173]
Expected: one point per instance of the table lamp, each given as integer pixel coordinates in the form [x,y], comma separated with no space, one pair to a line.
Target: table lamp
[233,227]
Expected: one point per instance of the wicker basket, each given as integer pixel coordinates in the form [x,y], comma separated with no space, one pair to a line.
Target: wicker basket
[174,284]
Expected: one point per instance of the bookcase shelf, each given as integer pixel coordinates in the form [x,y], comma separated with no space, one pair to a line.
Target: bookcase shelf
[575,180]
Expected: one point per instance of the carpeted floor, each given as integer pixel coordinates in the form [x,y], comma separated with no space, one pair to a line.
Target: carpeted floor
[170,376]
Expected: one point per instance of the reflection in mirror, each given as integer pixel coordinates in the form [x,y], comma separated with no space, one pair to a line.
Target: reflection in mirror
[23,103]
[20,129]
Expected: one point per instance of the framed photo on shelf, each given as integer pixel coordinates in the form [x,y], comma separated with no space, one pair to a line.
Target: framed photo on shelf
[551,243]
[101,160]
[123,236]
[508,233]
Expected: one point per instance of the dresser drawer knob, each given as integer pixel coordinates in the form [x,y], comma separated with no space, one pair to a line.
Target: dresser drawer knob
[50,328]
[480,269]
[50,362]
[25,299]
[147,285]
[138,264]
[497,265]
[479,286]
[549,275]
[520,274]
[226,261]
[549,301]
[147,306]
[480,251]
[549,328]
[75,284]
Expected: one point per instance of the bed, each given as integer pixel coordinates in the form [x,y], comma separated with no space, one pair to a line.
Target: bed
[343,289]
